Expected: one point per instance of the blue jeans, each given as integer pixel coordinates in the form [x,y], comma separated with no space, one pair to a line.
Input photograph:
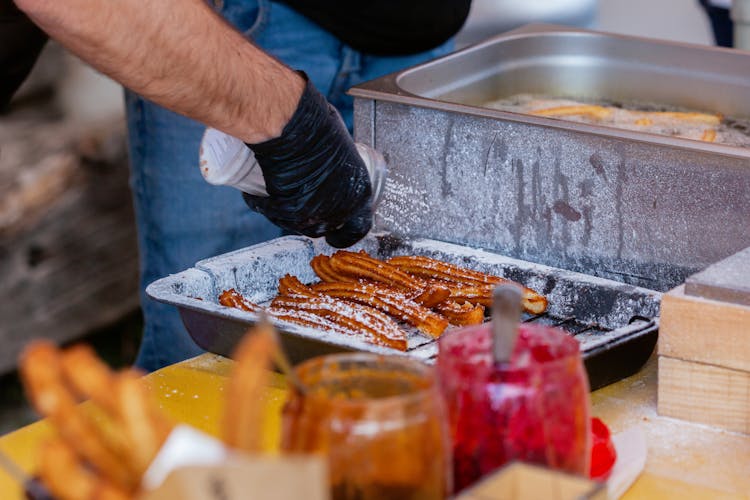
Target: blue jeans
[182,219]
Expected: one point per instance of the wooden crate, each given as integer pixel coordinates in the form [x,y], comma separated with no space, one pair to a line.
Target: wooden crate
[68,253]
[704,361]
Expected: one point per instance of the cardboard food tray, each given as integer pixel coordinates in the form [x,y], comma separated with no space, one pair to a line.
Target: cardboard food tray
[617,322]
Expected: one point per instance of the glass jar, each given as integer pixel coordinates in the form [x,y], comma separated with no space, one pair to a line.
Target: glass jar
[534,408]
[380,420]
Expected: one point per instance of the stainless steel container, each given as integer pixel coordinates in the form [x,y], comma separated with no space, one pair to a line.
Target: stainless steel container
[632,206]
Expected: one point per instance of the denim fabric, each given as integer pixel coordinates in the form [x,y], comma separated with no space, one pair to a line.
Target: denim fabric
[182,219]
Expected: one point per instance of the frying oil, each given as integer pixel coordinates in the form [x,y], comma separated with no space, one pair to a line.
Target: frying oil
[639,116]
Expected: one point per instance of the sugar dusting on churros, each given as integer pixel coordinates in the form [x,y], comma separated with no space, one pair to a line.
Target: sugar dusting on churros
[363,296]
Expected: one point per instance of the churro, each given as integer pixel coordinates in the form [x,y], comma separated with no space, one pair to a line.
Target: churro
[232,298]
[362,266]
[465,284]
[104,447]
[373,324]
[388,301]
[461,313]
[591,111]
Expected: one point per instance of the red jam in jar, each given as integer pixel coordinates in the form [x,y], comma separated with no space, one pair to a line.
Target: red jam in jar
[534,408]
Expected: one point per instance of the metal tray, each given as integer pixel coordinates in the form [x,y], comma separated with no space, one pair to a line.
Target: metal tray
[615,323]
[631,206]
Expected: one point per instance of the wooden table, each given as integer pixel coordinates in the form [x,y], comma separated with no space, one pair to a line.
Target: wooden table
[685,461]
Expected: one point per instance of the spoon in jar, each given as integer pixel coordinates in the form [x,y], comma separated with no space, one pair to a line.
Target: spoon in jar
[506,315]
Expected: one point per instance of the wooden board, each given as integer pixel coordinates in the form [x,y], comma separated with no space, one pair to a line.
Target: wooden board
[68,253]
[521,481]
[704,393]
[703,330]
[727,280]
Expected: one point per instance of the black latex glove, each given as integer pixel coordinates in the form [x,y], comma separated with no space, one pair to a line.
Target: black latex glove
[316,181]
[20,44]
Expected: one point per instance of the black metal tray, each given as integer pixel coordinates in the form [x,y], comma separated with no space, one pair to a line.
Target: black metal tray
[615,323]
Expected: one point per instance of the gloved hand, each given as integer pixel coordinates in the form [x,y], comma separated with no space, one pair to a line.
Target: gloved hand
[316,181]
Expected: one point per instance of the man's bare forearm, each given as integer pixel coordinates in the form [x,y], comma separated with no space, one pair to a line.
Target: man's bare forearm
[179,54]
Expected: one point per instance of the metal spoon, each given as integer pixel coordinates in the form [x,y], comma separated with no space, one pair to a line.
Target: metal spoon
[506,315]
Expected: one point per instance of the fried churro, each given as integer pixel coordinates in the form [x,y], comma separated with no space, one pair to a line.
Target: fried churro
[373,324]
[591,111]
[709,135]
[361,295]
[362,266]
[321,264]
[388,301]
[429,268]
[102,448]
[461,313]
[243,416]
[465,284]
[233,298]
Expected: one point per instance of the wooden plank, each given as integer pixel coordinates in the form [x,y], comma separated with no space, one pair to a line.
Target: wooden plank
[703,330]
[522,481]
[68,252]
[704,393]
[727,280]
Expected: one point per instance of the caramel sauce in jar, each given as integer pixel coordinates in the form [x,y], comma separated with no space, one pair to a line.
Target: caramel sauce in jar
[379,420]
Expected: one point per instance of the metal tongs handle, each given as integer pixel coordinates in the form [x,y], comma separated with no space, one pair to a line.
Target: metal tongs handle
[506,315]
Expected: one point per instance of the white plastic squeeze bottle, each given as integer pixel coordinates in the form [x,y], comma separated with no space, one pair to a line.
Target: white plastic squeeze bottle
[227,161]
